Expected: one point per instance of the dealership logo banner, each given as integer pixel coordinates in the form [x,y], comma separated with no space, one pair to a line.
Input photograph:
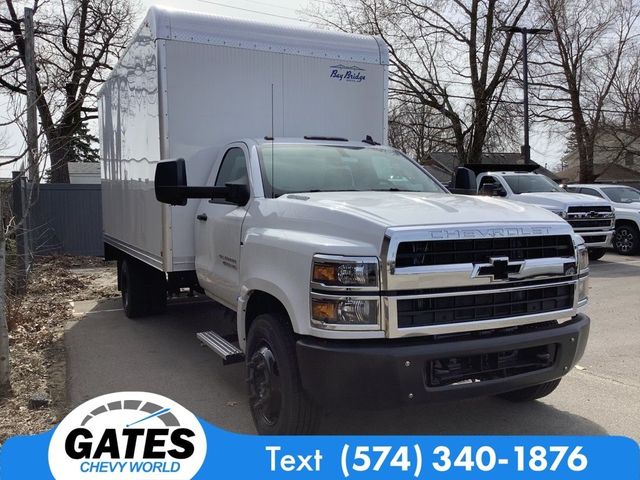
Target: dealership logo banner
[138,435]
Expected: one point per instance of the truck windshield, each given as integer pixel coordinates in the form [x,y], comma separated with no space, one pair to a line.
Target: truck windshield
[531,183]
[622,194]
[328,168]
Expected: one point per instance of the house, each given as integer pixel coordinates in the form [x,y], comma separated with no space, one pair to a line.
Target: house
[84,172]
[616,159]
[442,164]
[611,173]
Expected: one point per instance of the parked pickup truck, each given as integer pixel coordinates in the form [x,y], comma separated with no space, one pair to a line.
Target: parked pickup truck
[626,201]
[355,277]
[592,218]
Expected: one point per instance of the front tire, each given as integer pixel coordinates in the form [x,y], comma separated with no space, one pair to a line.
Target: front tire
[626,239]
[529,394]
[278,403]
[596,253]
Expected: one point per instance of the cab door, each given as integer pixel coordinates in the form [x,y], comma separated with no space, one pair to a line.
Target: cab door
[219,232]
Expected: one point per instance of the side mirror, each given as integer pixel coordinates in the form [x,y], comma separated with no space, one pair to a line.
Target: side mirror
[170,180]
[501,192]
[171,186]
[237,193]
[464,179]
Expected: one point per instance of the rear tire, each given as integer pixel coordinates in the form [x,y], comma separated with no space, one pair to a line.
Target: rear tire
[143,289]
[529,394]
[626,240]
[278,403]
[596,253]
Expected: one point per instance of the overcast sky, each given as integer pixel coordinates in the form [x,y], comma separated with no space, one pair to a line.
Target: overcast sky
[546,148]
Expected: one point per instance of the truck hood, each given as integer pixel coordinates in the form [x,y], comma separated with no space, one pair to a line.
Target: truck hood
[398,209]
[559,200]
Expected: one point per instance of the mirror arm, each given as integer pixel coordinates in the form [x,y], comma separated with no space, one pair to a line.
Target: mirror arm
[197,192]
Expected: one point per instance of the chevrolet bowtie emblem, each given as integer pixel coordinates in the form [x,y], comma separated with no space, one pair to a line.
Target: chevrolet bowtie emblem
[498,269]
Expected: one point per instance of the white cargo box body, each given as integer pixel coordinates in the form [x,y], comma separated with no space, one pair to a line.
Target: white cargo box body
[191,81]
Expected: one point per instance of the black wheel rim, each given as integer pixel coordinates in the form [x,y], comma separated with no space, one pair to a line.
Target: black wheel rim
[625,240]
[265,386]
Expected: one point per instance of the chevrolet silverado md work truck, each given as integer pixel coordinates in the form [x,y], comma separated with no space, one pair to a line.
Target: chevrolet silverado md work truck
[242,161]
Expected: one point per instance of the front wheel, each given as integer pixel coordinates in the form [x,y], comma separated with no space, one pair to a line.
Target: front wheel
[278,403]
[596,253]
[529,394]
[626,239]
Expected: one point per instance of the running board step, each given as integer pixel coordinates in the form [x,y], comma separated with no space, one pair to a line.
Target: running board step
[227,351]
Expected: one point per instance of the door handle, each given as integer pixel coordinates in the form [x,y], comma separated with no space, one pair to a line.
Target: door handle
[202,217]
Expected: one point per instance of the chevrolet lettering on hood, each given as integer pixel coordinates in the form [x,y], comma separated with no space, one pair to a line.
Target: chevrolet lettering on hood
[456,233]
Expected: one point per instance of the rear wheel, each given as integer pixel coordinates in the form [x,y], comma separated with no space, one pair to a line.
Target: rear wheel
[529,394]
[626,239]
[596,253]
[278,403]
[143,289]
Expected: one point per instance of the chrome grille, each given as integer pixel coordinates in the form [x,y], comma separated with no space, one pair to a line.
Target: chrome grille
[454,280]
[480,250]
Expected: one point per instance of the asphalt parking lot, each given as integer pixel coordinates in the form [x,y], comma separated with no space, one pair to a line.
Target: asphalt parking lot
[108,352]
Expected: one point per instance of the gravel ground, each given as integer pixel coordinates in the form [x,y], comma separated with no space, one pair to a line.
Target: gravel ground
[36,327]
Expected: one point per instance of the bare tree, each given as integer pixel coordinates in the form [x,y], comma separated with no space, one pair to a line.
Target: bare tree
[446,55]
[625,95]
[575,73]
[417,129]
[5,366]
[76,43]
[10,229]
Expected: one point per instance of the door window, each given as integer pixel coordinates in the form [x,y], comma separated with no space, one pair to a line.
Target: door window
[590,191]
[487,181]
[233,168]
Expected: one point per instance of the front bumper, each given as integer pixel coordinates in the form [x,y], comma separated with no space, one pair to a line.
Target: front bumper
[598,239]
[381,373]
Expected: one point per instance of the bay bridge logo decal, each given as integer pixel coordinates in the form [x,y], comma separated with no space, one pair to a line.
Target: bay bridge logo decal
[132,435]
[347,73]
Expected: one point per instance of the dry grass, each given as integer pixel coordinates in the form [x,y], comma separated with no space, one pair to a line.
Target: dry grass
[36,324]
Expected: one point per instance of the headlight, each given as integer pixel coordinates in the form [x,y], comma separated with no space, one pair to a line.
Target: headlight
[339,308]
[560,213]
[582,255]
[583,289]
[333,271]
[344,313]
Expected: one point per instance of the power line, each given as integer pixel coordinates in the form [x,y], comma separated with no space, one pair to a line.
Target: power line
[260,12]
[273,5]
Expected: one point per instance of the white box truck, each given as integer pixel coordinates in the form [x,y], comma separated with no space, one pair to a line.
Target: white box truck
[242,160]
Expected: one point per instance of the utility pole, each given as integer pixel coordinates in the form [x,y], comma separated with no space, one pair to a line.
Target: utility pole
[32,114]
[526,148]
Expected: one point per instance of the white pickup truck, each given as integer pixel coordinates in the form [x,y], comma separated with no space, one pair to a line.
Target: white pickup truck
[626,201]
[592,218]
[355,277]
